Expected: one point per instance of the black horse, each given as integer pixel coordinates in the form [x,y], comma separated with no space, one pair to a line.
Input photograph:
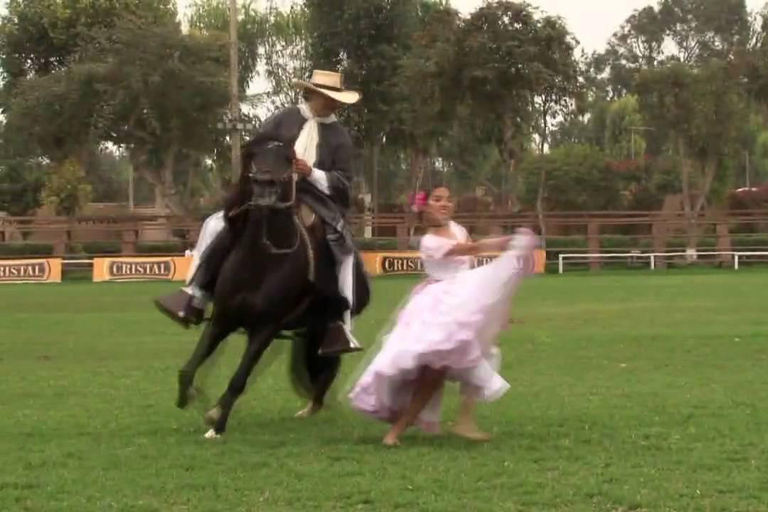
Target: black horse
[278,277]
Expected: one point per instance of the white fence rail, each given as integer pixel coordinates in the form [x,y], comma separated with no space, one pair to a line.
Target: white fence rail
[653,256]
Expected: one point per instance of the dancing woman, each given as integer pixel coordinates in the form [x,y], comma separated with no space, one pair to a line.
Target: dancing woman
[448,328]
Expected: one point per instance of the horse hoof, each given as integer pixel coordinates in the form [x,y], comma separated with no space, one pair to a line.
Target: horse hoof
[211,434]
[185,398]
[186,392]
[212,416]
[308,411]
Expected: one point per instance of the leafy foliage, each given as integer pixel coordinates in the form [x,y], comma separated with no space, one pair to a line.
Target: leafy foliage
[211,17]
[508,58]
[578,177]
[464,100]
[66,188]
[286,55]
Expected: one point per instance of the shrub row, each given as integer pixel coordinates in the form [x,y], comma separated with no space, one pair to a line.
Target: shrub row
[555,246]
[89,248]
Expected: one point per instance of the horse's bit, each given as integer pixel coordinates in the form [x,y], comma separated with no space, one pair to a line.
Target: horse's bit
[302,232]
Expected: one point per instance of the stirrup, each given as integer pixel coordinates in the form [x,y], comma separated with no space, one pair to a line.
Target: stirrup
[338,341]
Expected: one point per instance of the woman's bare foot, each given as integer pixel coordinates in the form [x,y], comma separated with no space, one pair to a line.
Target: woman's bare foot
[391,439]
[427,383]
[470,431]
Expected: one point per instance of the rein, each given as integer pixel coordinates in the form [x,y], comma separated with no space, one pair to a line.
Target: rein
[280,204]
[271,248]
[301,230]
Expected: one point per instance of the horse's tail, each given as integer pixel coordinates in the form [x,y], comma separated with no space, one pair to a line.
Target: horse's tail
[312,374]
[298,370]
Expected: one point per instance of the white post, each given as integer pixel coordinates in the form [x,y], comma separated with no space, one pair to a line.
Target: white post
[368,219]
[560,263]
[653,262]
[130,188]
[735,261]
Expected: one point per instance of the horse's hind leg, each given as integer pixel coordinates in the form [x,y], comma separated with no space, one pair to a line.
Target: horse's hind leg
[258,342]
[214,333]
[319,372]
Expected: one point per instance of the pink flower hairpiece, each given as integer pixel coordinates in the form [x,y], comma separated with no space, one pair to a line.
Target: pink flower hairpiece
[418,201]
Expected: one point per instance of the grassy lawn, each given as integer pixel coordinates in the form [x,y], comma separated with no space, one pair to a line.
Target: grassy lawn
[634,391]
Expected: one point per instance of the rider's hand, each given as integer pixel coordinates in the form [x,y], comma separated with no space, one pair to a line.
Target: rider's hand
[301,167]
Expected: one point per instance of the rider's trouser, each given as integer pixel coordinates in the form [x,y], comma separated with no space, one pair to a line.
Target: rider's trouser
[215,241]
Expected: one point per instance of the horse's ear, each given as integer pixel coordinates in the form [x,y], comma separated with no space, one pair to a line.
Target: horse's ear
[252,146]
[247,151]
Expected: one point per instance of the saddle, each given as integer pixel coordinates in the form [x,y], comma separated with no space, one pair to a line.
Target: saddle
[309,220]
[307,216]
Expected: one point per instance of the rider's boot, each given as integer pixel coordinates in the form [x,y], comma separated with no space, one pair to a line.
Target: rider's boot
[338,337]
[182,307]
[187,305]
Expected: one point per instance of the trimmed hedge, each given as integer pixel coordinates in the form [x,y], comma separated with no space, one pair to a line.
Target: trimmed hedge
[161,248]
[376,244]
[22,249]
[750,241]
[87,248]
[555,246]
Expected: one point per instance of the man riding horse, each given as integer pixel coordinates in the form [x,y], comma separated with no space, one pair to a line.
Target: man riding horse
[323,164]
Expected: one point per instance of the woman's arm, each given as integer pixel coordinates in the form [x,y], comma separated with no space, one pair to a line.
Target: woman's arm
[475,248]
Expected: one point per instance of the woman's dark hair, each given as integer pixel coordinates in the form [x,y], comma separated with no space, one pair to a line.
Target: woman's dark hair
[420,213]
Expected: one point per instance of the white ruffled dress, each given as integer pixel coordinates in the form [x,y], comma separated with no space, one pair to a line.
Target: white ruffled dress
[451,322]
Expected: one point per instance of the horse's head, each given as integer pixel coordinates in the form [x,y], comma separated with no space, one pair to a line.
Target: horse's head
[270,171]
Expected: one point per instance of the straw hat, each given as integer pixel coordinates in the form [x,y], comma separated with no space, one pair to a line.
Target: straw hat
[329,84]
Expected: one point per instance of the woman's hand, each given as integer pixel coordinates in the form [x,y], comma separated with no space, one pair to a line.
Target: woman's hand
[494,244]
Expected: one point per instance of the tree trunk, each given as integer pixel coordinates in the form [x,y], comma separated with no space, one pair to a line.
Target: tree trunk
[540,206]
[158,189]
[544,134]
[375,168]
[417,168]
[693,211]
[512,202]
[690,213]
[191,168]
[508,156]
[710,167]
[417,177]
[166,196]
[170,194]
[543,177]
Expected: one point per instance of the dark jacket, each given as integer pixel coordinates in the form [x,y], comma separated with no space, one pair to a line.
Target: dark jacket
[334,156]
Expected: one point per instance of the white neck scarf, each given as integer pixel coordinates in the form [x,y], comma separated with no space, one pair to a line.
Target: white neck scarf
[306,144]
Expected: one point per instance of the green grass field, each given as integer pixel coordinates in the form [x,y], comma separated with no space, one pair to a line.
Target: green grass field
[631,391]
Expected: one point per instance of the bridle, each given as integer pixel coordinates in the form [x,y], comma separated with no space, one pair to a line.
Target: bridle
[254,174]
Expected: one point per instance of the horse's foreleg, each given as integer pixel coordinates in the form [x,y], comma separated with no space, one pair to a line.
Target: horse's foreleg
[258,342]
[211,338]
